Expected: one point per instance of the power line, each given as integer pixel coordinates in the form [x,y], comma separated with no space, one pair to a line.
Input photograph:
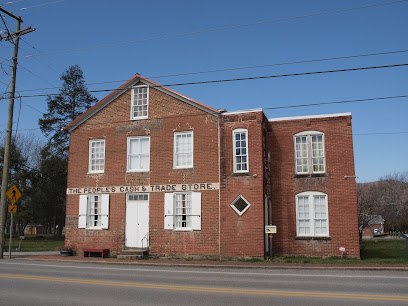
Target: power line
[218,29]
[337,102]
[36,75]
[285,75]
[11,2]
[8,32]
[39,51]
[233,80]
[35,6]
[265,108]
[281,64]
[240,68]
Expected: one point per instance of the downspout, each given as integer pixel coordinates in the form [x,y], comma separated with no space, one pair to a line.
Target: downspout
[219,189]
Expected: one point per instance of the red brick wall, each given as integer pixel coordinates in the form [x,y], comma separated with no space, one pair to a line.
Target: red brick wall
[166,115]
[341,192]
[242,235]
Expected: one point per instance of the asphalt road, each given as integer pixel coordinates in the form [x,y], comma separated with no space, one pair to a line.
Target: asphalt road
[25,282]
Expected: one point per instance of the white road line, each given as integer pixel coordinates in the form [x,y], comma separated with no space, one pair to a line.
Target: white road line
[207,272]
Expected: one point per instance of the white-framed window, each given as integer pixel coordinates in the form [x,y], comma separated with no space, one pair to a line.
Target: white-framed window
[93,211]
[240,140]
[312,214]
[138,154]
[182,211]
[96,156]
[183,150]
[309,152]
[140,102]
[240,205]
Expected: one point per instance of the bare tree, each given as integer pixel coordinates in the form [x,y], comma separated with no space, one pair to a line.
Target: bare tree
[387,197]
[367,203]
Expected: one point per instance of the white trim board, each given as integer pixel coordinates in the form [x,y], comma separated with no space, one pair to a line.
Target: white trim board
[309,117]
[255,110]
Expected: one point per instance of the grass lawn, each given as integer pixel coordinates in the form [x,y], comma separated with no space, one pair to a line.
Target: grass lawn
[35,243]
[373,252]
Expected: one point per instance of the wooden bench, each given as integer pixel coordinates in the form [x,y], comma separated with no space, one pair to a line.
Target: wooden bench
[88,252]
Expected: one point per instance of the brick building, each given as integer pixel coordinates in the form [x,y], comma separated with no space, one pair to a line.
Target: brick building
[150,167]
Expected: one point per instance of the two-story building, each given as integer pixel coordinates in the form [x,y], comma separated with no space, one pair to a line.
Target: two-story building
[150,167]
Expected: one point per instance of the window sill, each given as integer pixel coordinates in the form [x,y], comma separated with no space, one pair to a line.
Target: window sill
[181,168]
[138,171]
[241,174]
[182,230]
[94,228]
[90,173]
[139,118]
[310,175]
[312,238]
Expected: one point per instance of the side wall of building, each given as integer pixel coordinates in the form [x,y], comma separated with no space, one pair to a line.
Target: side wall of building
[340,190]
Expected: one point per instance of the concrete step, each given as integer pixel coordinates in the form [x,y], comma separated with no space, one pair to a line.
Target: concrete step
[130,257]
[133,253]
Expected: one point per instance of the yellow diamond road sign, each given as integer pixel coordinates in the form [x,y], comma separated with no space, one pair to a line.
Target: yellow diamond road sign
[13,194]
[12,209]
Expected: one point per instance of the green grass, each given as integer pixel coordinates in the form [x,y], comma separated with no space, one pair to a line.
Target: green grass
[35,243]
[384,251]
[373,252]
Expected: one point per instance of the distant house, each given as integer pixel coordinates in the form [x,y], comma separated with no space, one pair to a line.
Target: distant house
[32,229]
[150,167]
[375,226]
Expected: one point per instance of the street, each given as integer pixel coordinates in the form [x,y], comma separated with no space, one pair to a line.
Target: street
[24,282]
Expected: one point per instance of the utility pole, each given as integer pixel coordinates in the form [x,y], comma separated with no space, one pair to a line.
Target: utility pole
[6,161]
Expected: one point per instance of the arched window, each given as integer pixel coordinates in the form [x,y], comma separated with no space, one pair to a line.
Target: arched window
[312,214]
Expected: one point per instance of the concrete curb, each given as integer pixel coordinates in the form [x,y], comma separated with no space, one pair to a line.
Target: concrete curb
[220,265]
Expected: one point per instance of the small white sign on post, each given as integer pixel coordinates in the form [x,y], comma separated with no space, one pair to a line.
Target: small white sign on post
[270,229]
[342,249]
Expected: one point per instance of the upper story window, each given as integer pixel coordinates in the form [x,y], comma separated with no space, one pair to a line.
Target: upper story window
[183,150]
[312,214]
[96,156]
[240,139]
[138,154]
[140,102]
[309,152]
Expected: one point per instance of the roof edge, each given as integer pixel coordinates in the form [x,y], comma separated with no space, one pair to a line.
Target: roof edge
[309,117]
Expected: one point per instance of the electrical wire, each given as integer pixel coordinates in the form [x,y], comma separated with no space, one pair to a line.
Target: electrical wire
[35,6]
[265,108]
[36,75]
[18,119]
[233,80]
[39,51]
[8,32]
[238,68]
[218,29]
[11,2]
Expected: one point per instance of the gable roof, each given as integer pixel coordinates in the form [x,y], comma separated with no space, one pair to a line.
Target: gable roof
[128,85]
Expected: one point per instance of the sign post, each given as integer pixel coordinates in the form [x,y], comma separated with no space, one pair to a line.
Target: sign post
[13,194]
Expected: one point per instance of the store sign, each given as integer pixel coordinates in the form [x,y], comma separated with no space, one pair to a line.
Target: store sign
[145,188]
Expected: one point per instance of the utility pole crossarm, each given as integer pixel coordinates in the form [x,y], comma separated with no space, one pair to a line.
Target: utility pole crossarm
[18,33]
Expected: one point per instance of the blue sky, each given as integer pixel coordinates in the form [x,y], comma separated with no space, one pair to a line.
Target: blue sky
[380,127]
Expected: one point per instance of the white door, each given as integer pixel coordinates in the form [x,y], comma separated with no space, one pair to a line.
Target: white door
[137,220]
